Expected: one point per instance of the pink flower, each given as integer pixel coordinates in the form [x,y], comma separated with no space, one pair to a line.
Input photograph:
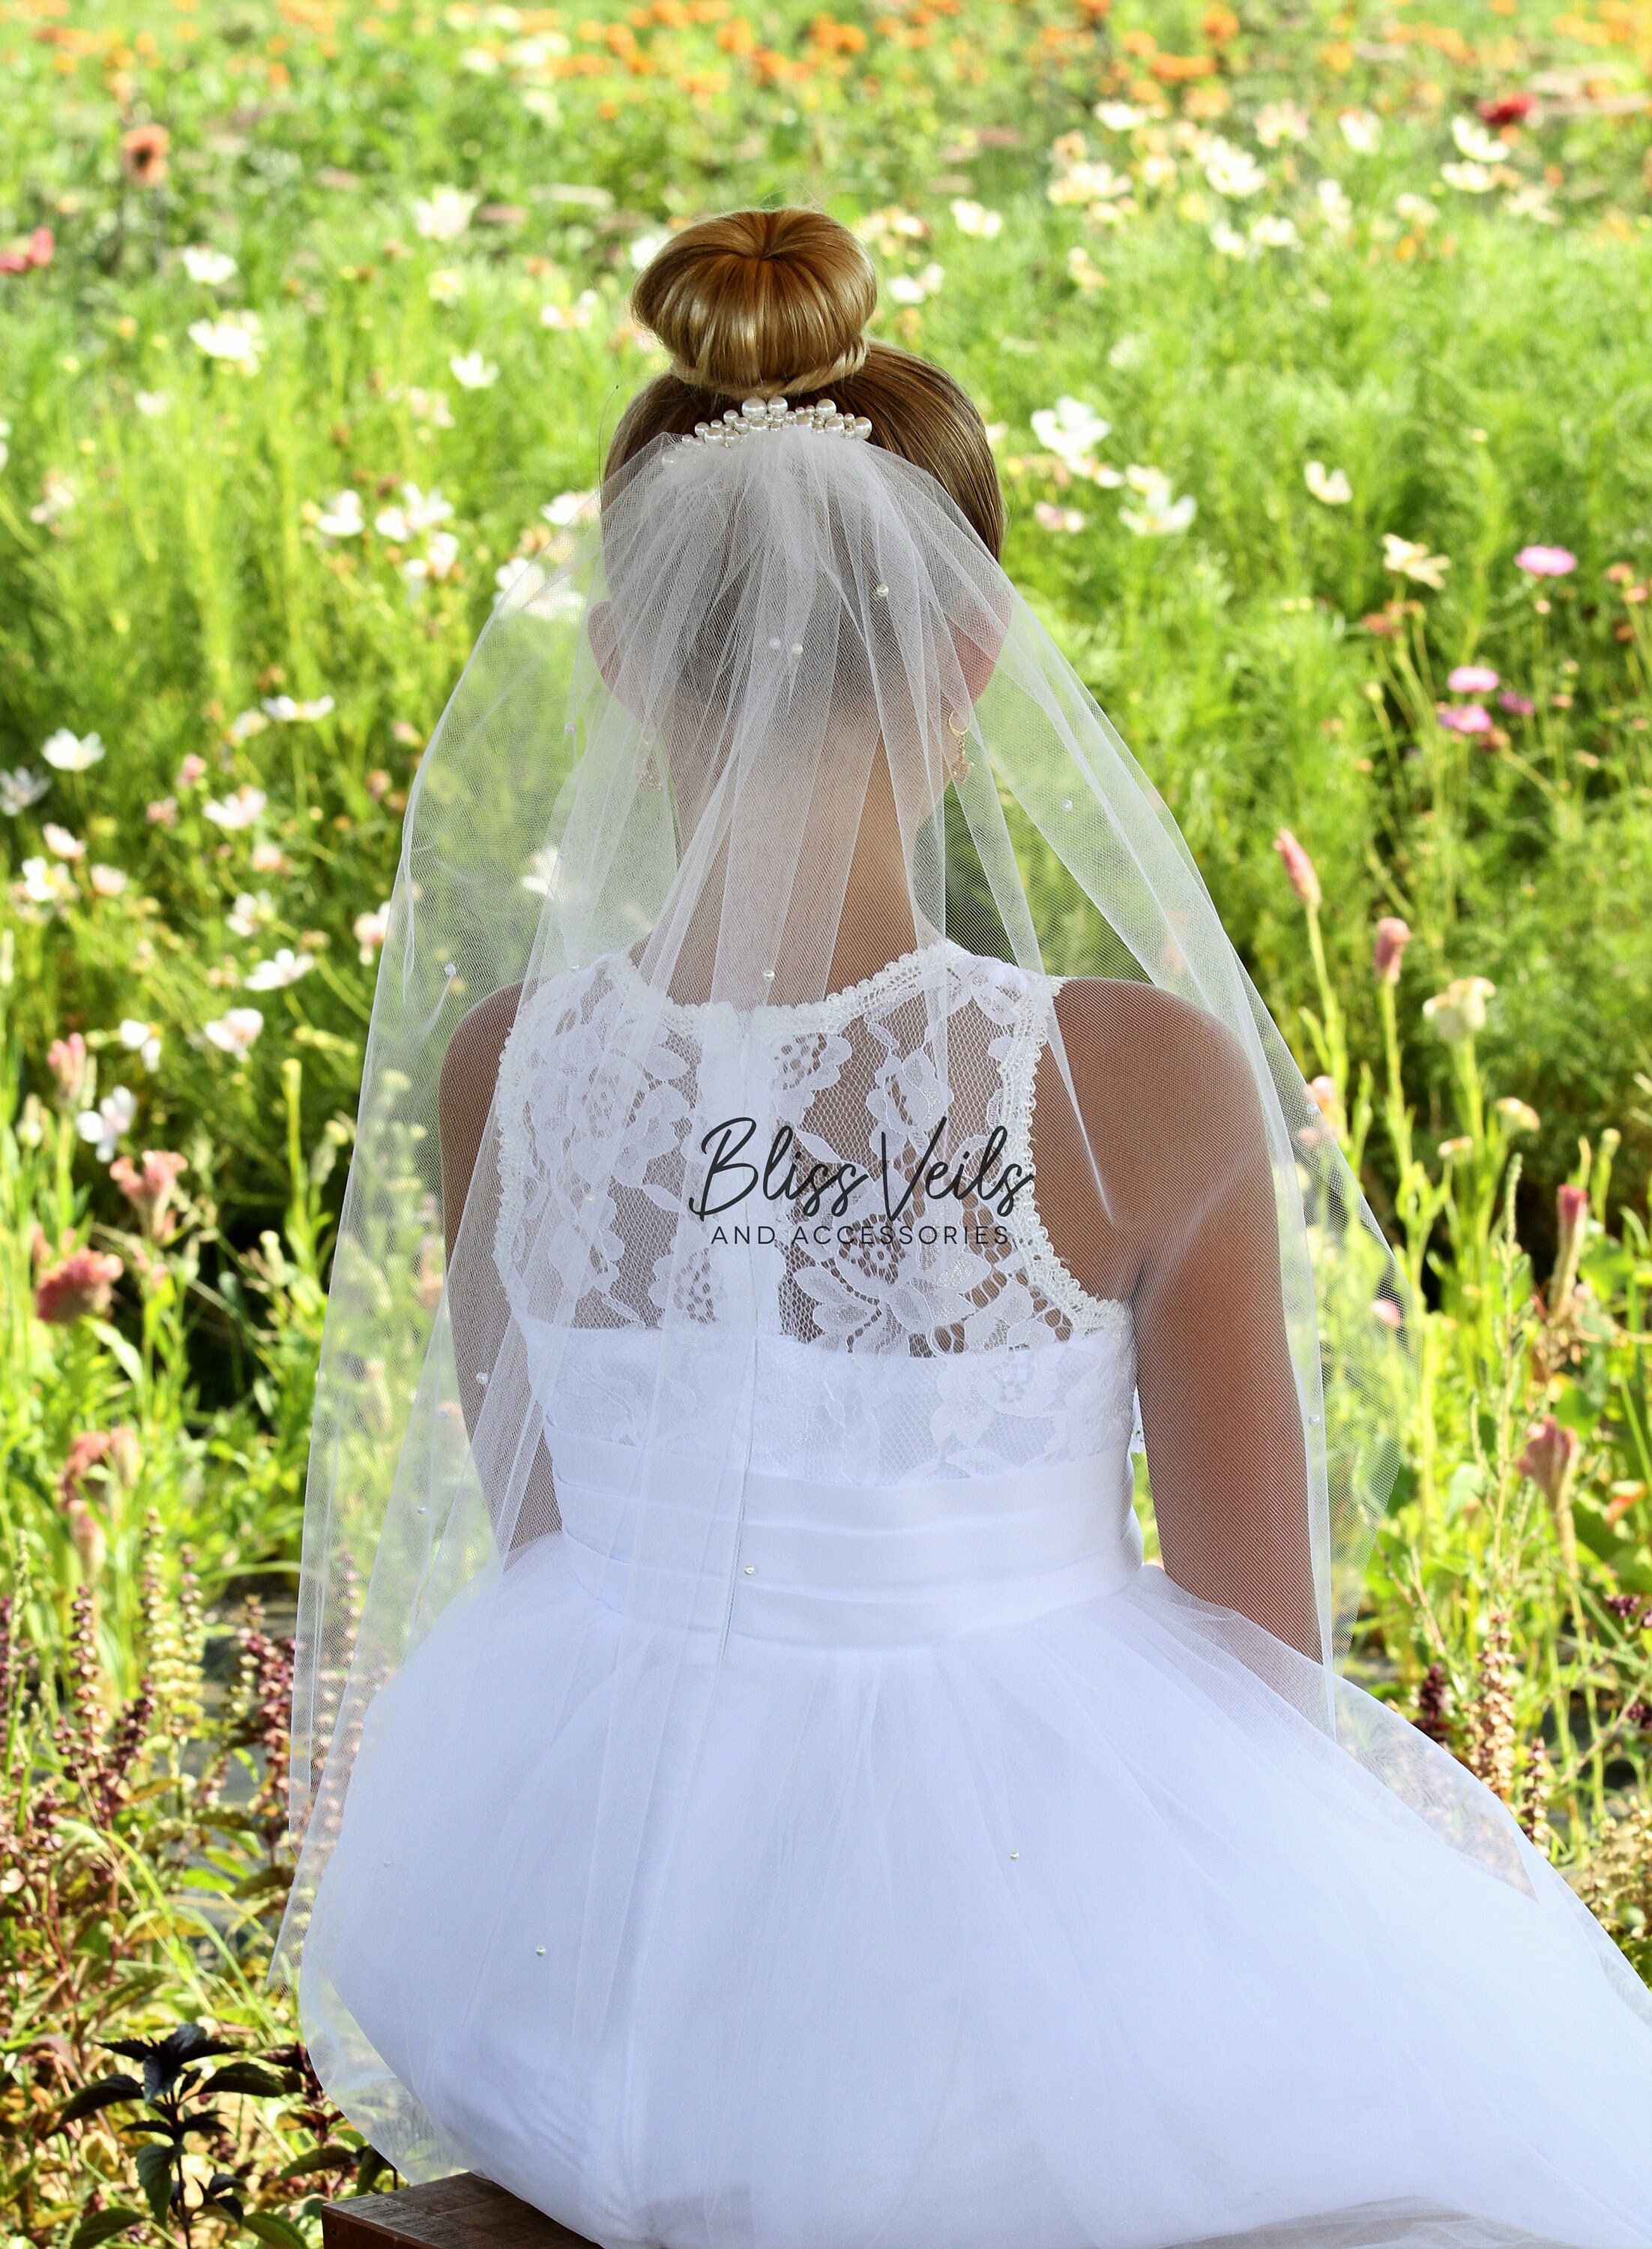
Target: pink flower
[86,1536]
[1388,949]
[370,930]
[149,1189]
[84,1452]
[1385,1309]
[66,1060]
[1518,706]
[1323,1094]
[39,249]
[1472,679]
[163,812]
[1550,1457]
[192,770]
[1545,561]
[75,1285]
[1571,1222]
[1465,717]
[1298,865]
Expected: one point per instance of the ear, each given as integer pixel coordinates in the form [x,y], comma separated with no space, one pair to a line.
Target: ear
[979,648]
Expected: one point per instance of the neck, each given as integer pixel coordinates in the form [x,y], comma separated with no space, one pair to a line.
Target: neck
[877,923]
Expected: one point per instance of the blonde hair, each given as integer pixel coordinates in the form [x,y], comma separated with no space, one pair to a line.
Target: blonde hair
[775,304]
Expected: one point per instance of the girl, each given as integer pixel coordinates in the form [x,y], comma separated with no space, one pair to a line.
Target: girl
[764,1801]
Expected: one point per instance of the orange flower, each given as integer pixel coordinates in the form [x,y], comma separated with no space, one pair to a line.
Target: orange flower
[843,38]
[143,154]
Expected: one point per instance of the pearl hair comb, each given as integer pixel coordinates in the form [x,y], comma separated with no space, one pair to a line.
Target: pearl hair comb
[757,415]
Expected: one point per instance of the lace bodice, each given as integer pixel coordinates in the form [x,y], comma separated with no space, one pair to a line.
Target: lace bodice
[947,1338]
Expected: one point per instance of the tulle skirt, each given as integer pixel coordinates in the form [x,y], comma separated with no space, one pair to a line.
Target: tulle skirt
[1070,1935]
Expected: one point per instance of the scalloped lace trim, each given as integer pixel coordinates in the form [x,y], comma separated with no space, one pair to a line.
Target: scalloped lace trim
[830,1014]
[1048,1272]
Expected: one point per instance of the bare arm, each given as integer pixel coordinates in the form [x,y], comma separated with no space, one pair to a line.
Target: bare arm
[470,1072]
[1189,1235]
[476,1305]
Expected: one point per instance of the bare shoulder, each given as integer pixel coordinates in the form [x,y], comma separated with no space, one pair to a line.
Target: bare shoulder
[1162,1085]
[1128,1040]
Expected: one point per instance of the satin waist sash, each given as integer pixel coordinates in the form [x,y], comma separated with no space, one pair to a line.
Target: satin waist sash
[823,1565]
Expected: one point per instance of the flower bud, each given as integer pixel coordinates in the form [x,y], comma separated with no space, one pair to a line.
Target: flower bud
[1551,1459]
[86,1533]
[67,1060]
[1298,865]
[1571,1215]
[1388,949]
[1458,1013]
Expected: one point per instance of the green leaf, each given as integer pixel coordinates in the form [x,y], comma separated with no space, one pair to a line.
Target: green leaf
[267,1878]
[104,2224]
[372,2166]
[122,1352]
[222,2193]
[245,2077]
[331,2157]
[277,2232]
[154,2176]
[101,2093]
[137,1984]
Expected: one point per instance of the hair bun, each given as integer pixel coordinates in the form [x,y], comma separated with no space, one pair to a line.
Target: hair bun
[760,302]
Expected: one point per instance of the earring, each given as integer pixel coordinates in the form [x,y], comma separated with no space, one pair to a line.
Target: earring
[959,768]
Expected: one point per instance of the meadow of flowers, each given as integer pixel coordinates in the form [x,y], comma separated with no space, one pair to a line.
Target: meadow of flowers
[1312,340]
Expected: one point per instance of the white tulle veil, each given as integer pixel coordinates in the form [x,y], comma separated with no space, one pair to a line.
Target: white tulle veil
[659,755]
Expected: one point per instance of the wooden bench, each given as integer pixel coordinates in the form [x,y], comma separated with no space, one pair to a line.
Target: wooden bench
[465,2212]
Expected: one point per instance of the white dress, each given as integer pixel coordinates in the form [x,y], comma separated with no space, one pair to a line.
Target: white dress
[990,1898]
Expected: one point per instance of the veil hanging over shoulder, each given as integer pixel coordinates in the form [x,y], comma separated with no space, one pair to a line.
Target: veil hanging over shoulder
[632,847]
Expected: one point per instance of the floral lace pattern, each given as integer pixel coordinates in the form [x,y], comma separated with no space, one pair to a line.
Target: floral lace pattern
[944,1338]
